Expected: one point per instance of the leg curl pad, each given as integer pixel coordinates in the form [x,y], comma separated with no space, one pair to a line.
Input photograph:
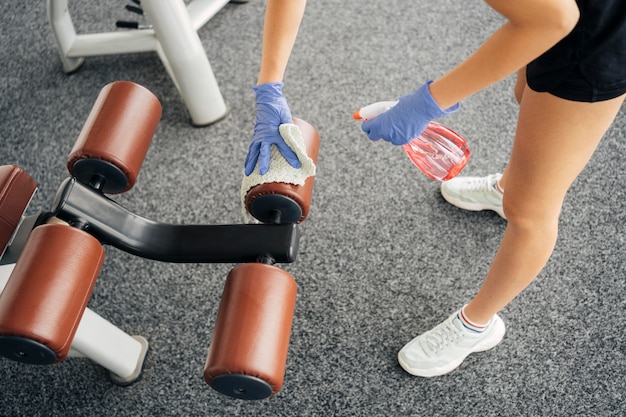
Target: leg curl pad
[116,136]
[16,190]
[47,292]
[289,203]
[248,351]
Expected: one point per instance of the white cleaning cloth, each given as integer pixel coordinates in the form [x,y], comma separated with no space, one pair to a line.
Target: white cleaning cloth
[280,170]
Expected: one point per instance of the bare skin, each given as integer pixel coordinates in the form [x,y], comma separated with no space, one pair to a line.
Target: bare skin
[532,27]
[555,139]
[282,21]
[549,149]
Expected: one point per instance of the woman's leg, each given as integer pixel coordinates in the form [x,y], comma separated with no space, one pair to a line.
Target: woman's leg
[555,139]
[518,92]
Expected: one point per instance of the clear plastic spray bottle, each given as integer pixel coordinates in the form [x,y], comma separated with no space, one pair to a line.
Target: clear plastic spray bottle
[439,152]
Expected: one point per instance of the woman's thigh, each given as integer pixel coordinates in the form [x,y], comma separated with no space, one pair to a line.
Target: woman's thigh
[555,138]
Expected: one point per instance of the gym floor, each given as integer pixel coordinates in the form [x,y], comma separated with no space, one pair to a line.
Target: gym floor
[382,256]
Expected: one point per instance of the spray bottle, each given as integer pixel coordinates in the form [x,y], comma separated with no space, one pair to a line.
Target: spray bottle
[439,152]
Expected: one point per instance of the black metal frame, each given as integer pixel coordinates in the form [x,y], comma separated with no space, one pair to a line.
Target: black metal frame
[87,208]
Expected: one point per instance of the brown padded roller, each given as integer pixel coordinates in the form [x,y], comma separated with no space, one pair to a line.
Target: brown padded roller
[248,351]
[47,292]
[301,194]
[16,190]
[116,136]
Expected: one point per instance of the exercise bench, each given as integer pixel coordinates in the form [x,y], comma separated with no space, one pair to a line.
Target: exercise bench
[50,260]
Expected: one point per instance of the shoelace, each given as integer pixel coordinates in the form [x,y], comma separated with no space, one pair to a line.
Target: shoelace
[440,337]
[482,184]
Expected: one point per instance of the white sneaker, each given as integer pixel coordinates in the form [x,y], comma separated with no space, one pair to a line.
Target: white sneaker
[443,349]
[474,193]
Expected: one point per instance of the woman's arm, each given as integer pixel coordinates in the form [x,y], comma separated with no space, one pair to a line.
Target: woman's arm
[533,27]
[282,21]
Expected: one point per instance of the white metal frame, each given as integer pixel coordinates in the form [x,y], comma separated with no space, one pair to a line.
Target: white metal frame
[173,36]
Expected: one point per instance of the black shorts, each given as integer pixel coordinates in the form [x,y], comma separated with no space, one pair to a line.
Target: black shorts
[589,64]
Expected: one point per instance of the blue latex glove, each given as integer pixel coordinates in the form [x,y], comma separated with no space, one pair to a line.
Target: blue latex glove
[407,119]
[271,111]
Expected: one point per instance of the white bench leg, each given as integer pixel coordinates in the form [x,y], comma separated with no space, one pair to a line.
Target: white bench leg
[64,33]
[108,346]
[174,37]
[184,57]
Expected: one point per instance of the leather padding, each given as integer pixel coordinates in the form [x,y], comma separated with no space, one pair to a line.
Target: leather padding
[119,129]
[253,327]
[16,190]
[48,290]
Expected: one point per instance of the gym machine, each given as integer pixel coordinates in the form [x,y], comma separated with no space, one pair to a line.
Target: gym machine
[50,261]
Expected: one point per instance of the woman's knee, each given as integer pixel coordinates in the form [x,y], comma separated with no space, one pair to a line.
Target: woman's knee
[531,213]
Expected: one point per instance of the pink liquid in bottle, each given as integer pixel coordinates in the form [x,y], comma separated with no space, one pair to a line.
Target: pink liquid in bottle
[439,152]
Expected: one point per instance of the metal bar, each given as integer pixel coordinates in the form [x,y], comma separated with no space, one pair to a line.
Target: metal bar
[82,206]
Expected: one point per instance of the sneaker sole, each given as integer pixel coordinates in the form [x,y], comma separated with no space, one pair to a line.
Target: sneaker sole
[489,343]
[470,206]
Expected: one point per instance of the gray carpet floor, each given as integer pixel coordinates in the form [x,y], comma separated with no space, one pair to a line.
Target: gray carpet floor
[382,256]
